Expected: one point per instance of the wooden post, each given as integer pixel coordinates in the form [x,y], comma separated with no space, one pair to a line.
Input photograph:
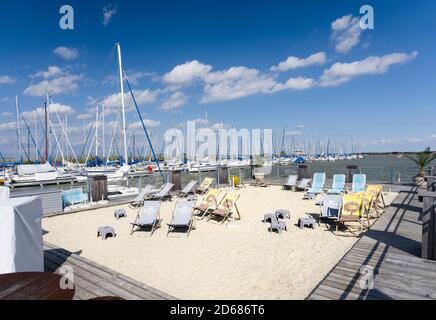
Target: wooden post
[97,188]
[351,170]
[431,183]
[429,225]
[176,179]
[223,175]
[303,172]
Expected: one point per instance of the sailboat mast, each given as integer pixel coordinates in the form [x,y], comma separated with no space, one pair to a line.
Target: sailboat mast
[46,128]
[122,103]
[19,130]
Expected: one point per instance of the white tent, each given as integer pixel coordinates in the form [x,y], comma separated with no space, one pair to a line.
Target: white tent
[21,235]
[4,193]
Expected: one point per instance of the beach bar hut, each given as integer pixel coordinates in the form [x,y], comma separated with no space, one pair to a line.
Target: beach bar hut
[21,235]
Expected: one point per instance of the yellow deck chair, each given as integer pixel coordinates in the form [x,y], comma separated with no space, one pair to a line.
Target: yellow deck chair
[209,201]
[227,207]
[379,202]
[205,186]
[352,209]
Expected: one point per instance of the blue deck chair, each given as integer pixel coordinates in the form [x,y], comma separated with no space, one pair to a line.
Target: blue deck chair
[318,183]
[359,182]
[338,184]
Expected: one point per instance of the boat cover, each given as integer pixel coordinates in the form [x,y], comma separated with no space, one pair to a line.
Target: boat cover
[26,169]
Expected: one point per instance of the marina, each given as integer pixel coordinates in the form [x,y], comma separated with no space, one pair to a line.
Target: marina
[210,159]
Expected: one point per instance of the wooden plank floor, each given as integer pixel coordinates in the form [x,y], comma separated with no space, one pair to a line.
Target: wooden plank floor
[392,247]
[93,280]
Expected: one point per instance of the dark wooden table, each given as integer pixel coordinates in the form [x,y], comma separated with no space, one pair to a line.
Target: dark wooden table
[33,286]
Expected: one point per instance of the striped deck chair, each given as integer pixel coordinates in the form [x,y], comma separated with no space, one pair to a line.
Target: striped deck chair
[379,202]
[227,207]
[209,201]
[205,186]
[352,210]
[359,183]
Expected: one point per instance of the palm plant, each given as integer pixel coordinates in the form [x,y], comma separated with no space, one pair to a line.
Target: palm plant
[422,160]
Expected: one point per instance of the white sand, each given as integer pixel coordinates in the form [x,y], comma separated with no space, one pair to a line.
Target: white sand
[216,261]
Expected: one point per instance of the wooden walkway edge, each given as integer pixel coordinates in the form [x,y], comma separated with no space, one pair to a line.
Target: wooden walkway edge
[391,249]
[93,280]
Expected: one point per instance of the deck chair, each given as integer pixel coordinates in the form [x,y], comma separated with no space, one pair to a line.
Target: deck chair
[303,185]
[330,207]
[318,184]
[338,185]
[205,186]
[140,198]
[359,183]
[291,183]
[189,188]
[148,217]
[163,193]
[351,210]
[379,202]
[227,207]
[209,201]
[182,217]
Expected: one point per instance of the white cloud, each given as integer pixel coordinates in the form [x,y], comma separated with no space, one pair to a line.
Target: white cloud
[67,53]
[63,84]
[346,33]
[185,74]
[7,126]
[52,71]
[112,103]
[301,126]
[54,108]
[6,114]
[343,72]
[132,75]
[84,116]
[295,62]
[4,99]
[137,126]
[56,81]
[294,133]
[109,12]
[6,80]
[299,83]
[176,100]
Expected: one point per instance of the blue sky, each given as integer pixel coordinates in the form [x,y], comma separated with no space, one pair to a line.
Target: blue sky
[258,64]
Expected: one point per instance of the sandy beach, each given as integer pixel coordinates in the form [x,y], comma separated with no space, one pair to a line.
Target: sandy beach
[216,262]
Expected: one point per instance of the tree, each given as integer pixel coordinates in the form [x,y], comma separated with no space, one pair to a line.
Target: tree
[422,160]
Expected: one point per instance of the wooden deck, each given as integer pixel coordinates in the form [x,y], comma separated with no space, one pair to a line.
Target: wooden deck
[93,280]
[392,247]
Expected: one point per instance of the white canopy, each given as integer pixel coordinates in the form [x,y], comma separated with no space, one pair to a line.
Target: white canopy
[4,193]
[35,168]
[21,235]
